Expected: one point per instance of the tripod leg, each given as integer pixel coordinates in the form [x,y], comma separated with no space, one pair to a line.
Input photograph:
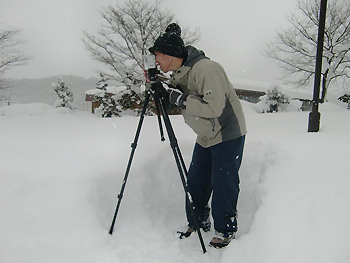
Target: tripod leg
[159,119]
[181,167]
[133,146]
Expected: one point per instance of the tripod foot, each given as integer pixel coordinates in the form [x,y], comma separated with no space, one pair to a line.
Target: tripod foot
[186,234]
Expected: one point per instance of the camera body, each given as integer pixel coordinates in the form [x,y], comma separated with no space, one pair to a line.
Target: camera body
[149,62]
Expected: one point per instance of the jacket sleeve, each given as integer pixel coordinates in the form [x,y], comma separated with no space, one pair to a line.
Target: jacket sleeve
[210,84]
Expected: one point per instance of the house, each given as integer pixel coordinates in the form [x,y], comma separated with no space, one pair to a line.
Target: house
[305,96]
[121,92]
[90,95]
[251,91]
[246,90]
[249,95]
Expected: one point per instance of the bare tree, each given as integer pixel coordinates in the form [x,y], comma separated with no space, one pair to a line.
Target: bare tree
[295,48]
[127,33]
[10,55]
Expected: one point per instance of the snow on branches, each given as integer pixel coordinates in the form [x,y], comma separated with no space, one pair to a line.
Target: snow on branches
[64,94]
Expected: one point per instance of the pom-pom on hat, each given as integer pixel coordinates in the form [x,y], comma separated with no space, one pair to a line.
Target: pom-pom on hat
[170,43]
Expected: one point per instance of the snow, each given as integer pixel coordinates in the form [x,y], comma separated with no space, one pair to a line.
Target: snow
[61,172]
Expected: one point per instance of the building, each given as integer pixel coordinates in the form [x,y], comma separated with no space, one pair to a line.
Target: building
[90,95]
[251,91]
[249,95]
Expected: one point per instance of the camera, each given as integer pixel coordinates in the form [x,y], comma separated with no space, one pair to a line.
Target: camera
[149,62]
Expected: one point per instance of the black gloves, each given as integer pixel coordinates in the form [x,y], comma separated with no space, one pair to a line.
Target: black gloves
[176,97]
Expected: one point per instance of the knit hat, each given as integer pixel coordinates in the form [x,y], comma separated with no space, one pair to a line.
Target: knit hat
[170,43]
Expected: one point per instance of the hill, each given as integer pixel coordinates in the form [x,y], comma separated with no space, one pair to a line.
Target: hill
[25,91]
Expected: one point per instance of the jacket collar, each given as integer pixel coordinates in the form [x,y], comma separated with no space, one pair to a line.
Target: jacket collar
[194,55]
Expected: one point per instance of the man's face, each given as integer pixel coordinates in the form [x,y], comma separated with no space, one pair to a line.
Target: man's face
[164,61]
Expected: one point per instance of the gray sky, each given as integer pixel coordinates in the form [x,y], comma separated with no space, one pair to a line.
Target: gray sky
[233,33]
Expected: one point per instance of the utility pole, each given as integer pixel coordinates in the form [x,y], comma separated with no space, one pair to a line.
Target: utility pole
[315,116]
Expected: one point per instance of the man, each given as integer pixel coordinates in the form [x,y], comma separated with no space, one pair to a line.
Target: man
[212,109]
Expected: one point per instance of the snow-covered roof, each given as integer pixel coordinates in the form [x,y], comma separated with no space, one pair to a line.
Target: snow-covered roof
[110,89]
[298,93]
[246,84]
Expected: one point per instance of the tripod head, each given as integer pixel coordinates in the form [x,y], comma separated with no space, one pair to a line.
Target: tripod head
[157,86]
[156,79]
[159,93]
[153,73]
[149,63]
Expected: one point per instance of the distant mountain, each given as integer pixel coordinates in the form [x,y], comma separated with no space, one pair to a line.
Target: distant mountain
[25,91]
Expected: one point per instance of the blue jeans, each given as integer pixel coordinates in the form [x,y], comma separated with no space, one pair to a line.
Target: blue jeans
[214,171]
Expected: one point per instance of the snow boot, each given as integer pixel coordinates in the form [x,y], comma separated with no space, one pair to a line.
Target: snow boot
[206,225]
[220,241]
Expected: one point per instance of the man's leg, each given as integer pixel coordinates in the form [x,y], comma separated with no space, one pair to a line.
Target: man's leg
[199,186]
[226,158]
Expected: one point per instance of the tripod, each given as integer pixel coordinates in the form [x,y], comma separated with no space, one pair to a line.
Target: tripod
[158,92]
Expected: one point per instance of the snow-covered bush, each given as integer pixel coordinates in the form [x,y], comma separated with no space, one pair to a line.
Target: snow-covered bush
[345,98]
[274,101]
[132,101]
[108,106]
[118,101]
[64,94]
[129,99]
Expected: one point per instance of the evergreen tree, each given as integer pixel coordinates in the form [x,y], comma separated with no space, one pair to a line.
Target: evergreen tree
[102,83]
[64,94]
[129,99]
[274,100]
[108,106]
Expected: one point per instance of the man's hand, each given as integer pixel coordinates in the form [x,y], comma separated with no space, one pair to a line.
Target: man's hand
[176,97]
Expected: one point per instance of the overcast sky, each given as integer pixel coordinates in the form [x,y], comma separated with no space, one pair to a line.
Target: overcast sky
[233,33]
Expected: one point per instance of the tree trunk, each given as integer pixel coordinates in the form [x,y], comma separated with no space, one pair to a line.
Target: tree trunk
[324,86]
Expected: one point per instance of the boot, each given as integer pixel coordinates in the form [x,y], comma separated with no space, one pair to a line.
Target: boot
[220,241]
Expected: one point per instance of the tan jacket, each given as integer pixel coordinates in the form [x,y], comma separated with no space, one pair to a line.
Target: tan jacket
[213,109]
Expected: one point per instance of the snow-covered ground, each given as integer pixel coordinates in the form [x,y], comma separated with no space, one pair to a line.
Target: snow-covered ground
[61,172]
